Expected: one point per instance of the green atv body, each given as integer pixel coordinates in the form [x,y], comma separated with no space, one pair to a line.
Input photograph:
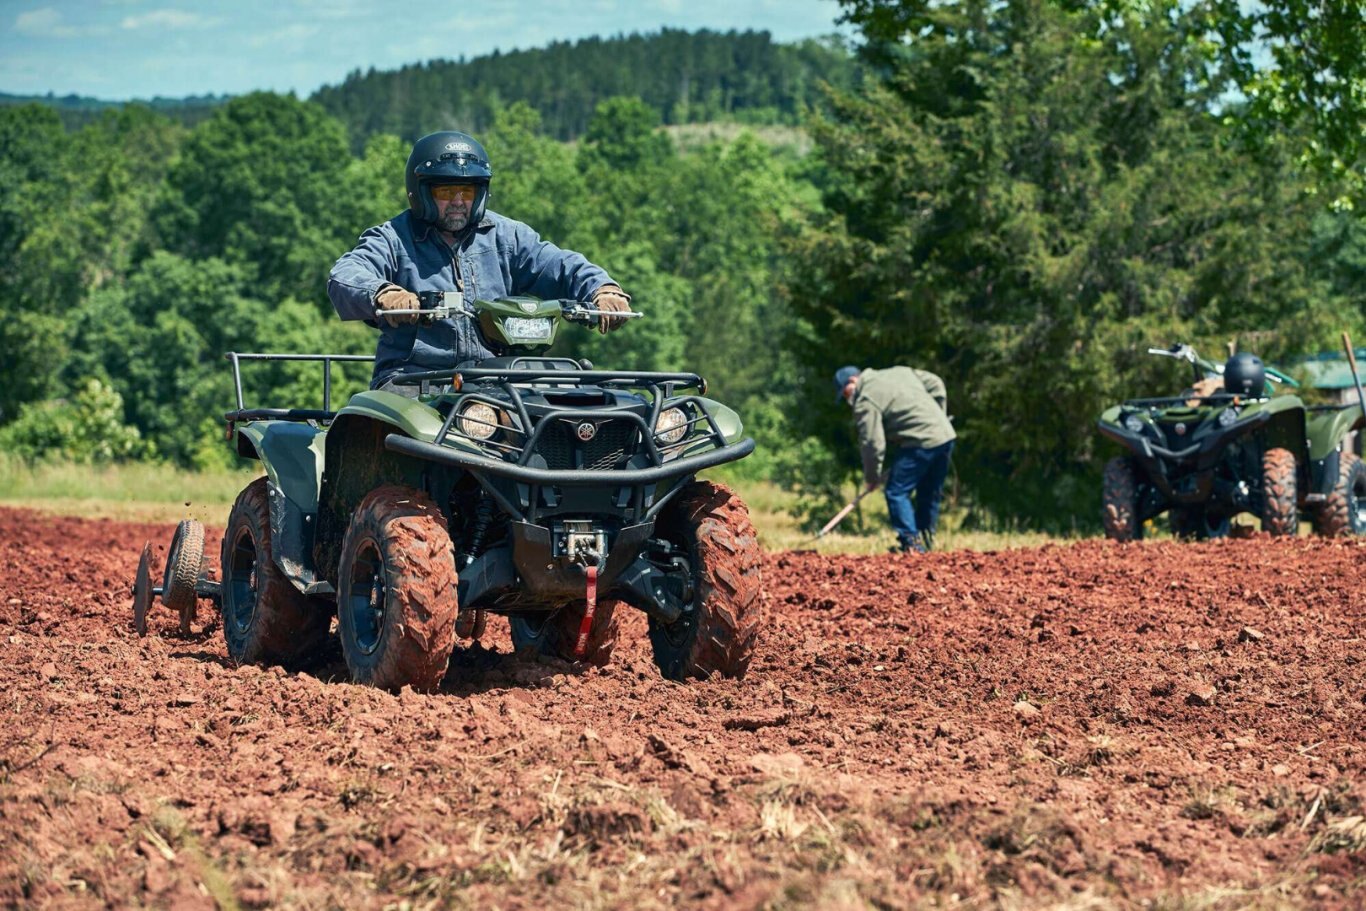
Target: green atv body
[1206,458]
[524,485]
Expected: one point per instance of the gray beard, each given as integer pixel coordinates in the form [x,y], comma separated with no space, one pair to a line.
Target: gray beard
[453,222]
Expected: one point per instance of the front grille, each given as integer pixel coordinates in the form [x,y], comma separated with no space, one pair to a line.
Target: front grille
[562,449]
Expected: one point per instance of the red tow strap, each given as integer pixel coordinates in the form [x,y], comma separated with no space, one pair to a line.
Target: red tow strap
[581,647]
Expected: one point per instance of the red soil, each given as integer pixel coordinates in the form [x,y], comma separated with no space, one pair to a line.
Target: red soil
[1094,725]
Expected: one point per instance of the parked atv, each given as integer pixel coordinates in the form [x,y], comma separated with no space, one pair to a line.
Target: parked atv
[1226,446]
[524,485]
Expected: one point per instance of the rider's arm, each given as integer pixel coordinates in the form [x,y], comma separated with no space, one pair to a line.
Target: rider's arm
[543,270]
[360,274]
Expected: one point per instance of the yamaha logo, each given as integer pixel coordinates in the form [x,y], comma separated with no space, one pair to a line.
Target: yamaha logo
[1180,430]
[527,306]
[586,431]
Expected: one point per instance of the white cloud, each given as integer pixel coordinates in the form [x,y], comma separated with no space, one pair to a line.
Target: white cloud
[288,36]
[47,23]
[170,19]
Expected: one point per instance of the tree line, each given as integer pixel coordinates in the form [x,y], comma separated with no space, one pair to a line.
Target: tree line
[1019,197]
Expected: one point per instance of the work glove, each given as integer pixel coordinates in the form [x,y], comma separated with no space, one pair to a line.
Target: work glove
[392,297]
[611,297]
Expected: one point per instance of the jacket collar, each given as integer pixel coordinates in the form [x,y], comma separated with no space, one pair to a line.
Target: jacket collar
[428,230]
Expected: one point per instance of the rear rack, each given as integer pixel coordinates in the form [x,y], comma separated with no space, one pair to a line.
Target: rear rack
[322,415]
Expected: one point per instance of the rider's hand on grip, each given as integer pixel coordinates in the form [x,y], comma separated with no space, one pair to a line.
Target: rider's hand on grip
[611,297]
[392,297]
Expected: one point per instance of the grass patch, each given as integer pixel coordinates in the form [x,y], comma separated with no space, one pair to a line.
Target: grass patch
[144,492]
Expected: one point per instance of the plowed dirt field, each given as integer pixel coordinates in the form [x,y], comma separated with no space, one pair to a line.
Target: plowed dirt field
[1084,726]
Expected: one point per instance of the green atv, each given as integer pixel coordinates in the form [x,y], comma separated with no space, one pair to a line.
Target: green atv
[524,485]
[1220,449]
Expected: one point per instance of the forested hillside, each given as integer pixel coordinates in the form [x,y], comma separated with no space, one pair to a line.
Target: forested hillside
[1021,198]
[687,77]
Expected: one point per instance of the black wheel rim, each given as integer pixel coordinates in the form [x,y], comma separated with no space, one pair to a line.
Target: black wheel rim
[367,596]
[242,581]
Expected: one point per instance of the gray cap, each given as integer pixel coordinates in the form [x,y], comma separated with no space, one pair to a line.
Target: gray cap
[842,377]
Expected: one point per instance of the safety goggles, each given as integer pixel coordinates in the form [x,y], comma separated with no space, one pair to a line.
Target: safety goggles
[448,191]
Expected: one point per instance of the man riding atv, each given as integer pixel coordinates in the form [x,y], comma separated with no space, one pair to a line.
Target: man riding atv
[448,241]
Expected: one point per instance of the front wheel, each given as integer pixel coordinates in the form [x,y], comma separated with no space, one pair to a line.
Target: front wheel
[1120,500]
[1279,493]
[1344,512]
[396,597]
[554,634]
[265,618]
[716,633]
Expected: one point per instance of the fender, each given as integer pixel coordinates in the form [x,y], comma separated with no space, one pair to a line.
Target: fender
[292,454]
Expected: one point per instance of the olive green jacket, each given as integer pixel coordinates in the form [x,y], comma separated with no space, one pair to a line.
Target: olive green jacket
[897,407]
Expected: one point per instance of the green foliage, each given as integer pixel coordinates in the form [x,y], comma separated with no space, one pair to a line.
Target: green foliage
[258,185]
[685,77]
[1022,197]
[1025,207]
[86,428]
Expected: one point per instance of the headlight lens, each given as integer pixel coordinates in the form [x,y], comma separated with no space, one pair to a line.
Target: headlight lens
[1228,416]
[478,420]
[671,426]
[1133,423]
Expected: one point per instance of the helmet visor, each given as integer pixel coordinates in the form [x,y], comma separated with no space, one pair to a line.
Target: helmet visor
[447,192]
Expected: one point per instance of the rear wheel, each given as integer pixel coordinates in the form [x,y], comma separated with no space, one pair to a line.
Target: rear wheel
[1279,493]
[265,618]
[1120,499]
[717,633]
[555,633]
[1344,512]
[396,597]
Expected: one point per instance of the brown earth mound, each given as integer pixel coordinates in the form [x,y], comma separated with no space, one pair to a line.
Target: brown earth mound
[1092,725]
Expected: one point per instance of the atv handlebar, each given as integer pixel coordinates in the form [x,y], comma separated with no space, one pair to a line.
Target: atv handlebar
[447,304]
[1184,352]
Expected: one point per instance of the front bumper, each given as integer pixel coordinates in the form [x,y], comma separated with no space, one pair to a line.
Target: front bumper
[1183,475]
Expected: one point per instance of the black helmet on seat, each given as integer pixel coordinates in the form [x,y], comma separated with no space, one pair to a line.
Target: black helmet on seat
[446,157]
[1244,374]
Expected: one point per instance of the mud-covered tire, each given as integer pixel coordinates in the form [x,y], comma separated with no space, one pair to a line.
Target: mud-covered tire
[555,634]
[1193,523]
[184,561]
[1344,512]
[1119,496]
[266,620]
[1279,493]
[396,591]
[717,634]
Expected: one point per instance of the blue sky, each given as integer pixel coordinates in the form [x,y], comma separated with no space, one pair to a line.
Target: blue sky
[122,49]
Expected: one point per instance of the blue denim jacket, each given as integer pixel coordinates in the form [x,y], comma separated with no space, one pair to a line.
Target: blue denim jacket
[499,258]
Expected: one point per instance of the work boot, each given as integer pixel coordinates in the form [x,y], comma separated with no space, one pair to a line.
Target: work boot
[927,539]
[908,547]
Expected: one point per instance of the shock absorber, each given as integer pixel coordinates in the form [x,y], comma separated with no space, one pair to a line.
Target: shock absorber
[479,529]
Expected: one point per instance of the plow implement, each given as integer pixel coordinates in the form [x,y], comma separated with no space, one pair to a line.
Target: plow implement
[183,582]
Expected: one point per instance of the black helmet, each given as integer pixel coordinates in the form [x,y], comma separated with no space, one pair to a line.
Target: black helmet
[446,157]
[1245,375]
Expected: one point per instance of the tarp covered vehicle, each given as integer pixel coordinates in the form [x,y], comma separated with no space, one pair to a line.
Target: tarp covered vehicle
[523,485]
[1208,454]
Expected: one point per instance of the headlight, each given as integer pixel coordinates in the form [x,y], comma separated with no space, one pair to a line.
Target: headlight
[1227,417]
[478,420]
[671,426]
[1133,423]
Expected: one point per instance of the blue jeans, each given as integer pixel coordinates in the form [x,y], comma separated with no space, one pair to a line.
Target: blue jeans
[922,471]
